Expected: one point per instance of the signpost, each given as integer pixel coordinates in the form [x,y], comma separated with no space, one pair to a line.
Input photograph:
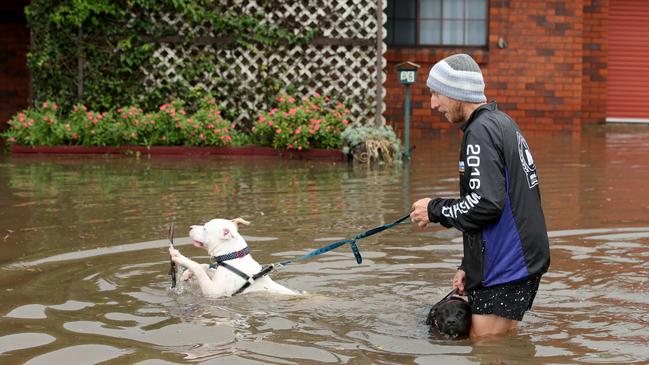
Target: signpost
[407,72]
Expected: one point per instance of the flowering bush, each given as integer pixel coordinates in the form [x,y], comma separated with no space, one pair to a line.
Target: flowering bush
[207,127]
[36,126]
[311,122]
[171,125]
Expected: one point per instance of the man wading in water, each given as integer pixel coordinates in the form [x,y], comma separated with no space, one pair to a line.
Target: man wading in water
[499,211]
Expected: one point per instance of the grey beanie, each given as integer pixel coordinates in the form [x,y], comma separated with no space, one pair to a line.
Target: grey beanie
[458,77]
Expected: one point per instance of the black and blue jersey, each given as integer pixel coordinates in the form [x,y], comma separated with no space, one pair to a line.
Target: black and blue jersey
[499,210]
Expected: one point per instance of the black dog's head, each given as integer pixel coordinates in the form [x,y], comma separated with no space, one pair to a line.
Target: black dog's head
[451,317]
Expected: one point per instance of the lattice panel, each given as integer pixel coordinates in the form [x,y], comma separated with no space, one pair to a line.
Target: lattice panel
[346,72]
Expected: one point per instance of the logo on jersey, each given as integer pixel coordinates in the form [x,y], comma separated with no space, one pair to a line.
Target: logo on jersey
[527,162]
[461,167]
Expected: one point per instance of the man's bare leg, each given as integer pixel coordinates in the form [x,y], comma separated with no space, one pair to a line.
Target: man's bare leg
[483,325]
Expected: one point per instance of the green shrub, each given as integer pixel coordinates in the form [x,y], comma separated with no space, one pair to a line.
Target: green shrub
[367,144]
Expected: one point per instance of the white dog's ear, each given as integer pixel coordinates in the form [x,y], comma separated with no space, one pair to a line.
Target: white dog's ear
[238,221]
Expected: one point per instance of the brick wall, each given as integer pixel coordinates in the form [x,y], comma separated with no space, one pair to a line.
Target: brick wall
[14,45]
[595,61]
[541,78]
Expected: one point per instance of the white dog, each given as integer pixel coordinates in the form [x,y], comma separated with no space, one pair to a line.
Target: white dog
[221,239]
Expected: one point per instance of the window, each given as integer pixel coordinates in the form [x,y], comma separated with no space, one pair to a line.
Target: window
[437,22]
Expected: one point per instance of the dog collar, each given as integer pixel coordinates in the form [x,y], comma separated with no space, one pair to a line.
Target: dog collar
[231,255]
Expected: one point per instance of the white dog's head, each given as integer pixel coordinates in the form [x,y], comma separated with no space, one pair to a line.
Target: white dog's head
[218,235]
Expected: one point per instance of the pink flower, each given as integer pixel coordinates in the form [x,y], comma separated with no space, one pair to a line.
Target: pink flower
[12,139]
[201,136]
[345,121]
[163,107]
[261,119]
[299,148]
[278,131]
[228,138]
[210,126]
[291,100]
[75,136]
[45,105]
[290,145]
[291,111]
[54,106]
[280,99]
[297,131]
[270,123]
[311,131]
[133,135]
[316,94]
[217,130]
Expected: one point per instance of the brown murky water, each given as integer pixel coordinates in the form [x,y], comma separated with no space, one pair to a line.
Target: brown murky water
[83,259]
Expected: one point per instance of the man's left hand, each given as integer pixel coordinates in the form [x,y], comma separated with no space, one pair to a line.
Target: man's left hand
[419,212]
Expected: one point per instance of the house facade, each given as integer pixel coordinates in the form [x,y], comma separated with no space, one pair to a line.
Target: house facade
[552,65]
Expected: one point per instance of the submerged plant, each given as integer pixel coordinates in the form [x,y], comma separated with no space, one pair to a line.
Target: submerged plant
[370,144]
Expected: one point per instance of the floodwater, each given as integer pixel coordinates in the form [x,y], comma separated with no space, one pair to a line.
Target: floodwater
[83,262]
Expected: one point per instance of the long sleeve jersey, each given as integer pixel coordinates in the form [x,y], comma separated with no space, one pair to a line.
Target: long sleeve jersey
[499,210]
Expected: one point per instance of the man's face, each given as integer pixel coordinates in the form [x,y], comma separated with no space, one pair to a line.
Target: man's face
[452,109]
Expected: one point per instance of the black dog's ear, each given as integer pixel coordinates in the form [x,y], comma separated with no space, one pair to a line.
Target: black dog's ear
[430,320]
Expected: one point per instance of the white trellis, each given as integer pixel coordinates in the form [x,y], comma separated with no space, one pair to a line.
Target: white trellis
[341,63]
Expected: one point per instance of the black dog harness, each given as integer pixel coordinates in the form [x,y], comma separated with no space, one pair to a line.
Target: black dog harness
[249,280]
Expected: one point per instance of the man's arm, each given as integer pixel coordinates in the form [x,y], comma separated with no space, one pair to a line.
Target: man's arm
[486,174]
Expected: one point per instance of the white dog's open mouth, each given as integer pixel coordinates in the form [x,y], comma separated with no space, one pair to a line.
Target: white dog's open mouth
[198,244]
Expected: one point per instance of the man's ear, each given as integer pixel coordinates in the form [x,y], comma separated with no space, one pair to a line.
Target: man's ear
[239,221]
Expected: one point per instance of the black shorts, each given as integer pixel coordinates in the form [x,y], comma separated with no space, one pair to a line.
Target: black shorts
[509,301]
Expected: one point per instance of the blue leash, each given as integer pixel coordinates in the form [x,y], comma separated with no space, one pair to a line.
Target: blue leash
[269,268]
[352,243]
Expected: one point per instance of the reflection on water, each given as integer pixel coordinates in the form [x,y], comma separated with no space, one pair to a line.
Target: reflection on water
[84,265]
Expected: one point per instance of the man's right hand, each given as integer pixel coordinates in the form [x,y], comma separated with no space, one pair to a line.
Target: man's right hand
[459,281]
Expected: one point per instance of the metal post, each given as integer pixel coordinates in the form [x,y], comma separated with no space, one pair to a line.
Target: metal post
[406,147]
[378,121]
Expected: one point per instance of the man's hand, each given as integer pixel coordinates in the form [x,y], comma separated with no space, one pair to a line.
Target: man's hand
[459,281]
[419,212]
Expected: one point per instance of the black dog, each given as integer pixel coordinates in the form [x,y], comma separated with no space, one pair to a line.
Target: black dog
[451,317]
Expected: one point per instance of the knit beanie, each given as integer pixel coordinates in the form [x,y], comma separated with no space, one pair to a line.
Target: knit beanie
[457,77]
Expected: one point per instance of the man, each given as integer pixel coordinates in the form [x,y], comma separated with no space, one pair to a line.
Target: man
[499,211]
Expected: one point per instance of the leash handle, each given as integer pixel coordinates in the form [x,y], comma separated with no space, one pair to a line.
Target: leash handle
[382,228]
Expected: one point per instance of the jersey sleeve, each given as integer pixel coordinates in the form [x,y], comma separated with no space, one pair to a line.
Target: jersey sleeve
[484,175]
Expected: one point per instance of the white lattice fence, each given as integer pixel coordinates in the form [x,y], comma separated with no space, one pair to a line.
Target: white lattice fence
[341,63]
